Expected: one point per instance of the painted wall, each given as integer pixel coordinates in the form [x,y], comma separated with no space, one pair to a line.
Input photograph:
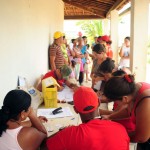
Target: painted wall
[26,29]
[139,28]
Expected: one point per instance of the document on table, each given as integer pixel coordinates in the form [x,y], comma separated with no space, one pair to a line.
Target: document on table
[66,94]
[66,112]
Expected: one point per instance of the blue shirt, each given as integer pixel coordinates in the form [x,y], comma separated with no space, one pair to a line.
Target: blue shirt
[83,51]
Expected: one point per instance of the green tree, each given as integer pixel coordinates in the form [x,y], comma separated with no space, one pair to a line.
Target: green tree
[91,28]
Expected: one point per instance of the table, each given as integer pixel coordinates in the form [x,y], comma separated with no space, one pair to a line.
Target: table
[53,125]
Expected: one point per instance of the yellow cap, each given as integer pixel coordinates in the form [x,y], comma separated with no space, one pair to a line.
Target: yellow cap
[58,34]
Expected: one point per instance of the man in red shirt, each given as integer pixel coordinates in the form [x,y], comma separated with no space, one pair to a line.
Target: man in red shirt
[60,75]
[93,133]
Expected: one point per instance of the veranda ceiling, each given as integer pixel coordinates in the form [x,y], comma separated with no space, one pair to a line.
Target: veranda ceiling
[91,9]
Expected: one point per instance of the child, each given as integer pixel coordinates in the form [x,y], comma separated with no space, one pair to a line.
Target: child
[72,75]
[86,66]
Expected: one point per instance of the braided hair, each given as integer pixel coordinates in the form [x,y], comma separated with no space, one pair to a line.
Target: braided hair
[14,103]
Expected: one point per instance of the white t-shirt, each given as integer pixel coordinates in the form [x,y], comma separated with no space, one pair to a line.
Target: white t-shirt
[8,140]
[125,62]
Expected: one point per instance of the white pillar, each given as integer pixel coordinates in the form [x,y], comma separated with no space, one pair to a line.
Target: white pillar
[114,17]
[106,27]
[139,38]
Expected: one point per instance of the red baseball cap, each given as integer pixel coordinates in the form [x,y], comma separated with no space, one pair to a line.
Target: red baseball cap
[85,100]
[105,38]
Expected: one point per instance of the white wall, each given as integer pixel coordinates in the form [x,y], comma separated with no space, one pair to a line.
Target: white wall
[26,29]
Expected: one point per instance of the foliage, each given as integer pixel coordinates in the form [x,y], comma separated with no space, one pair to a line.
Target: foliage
[91,28]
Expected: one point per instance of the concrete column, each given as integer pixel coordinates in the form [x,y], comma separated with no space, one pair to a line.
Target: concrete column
[106,27]
[139,38]
[114,17]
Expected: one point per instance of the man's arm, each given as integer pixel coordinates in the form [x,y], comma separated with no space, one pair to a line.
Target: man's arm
[52,61]
[53,51]
[70,85]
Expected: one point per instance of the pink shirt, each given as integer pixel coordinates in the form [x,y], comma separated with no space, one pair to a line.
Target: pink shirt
[72,75]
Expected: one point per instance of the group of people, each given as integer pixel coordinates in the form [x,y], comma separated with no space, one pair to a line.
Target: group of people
[74,55]
[95,132]
[78,57]
[100,129]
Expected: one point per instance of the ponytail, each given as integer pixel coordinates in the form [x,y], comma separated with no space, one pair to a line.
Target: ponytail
[14,103]
[4,117]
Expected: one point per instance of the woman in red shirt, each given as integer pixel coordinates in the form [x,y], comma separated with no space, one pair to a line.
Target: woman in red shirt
[135,99]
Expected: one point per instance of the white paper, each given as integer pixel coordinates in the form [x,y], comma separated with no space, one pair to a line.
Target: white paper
[66,94]
[22,82]
[49,82]
[97,85]
[48,113]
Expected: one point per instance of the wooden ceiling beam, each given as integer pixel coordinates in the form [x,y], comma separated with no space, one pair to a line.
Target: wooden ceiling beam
[115,6]
[73,10]
[98,8]
[85,8]
[66,11]
[82,17]
[98,5]
[91,3]
[91,8]
[106,1]
[95,3]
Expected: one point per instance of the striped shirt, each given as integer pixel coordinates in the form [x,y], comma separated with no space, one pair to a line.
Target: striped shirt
[56,51]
